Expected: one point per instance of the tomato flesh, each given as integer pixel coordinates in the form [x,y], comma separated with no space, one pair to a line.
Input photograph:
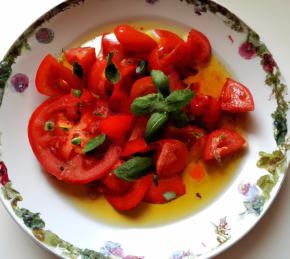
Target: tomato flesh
[132,197]
[221,143]
[157,193]
[236,97]
[53,79]
[134,40]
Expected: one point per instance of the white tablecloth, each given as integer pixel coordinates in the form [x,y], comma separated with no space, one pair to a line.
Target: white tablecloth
[270,18]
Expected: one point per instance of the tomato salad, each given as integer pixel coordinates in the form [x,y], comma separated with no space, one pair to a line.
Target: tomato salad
[125,121]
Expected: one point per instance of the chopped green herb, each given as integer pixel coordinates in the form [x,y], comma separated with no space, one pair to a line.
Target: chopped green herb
[77,93]
[142,68]
[155,123]
[49,126]
[78,70]
[112,73]
[134,168]
[161,82]
[93,143]
[76,141]
[169,196]
[99,114]
[155,179]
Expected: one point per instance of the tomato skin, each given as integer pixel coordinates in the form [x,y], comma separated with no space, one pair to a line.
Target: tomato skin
[138,145]
[168,54]
[133,40]
[110,44]
[236,97]
[117,127]
[132,197]
[77,168]
[197,149]
[171,157]
[119,101]
[141,87]
[198,48]
[139,128]
[206,108]
[97,81]
[53,79]
[155,193]
[221,143]
[175,81]
[85,56]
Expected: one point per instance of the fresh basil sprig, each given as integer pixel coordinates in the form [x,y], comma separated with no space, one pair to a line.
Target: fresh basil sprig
[157,103]
[155,123]
[134,168]
[111,72]
[161,82]
[93,143]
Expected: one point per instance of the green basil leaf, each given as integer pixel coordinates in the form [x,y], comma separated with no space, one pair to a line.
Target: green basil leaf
[178,99]
[146,104]
[76,141]
[49,126]
[111,72]
[142,68]
[134,168]
[77,93]
[169,196]
[155,123]
[78,70]
[93,143]
[161,82]
[180,119]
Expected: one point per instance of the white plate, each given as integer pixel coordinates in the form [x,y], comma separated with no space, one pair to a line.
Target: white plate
[214,228]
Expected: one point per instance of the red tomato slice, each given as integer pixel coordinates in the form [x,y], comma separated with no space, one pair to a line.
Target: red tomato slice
[139,128]
[132,197]
[168,54]
[197,149]
[236,97]
[138,145]
[171,157]
[119,101]
[111,184]
[110,44]
[206,109]
[155,194]
[134,40]
[53,79]
[175,82]
[221,143]
[198,48]
[117,127]
[97,81]
[141,87]
[84,56]
[54,150]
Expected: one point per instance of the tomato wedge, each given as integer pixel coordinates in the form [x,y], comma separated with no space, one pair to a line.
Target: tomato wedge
[52,145]
[171,157]
[132,197]
[157,194]
[236,97]
[111,184]
[85,57]
[134,146]
[53,78]
[134,40]
[97,81]
[141,87]
[198,48]
[221,143]
[117,126]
